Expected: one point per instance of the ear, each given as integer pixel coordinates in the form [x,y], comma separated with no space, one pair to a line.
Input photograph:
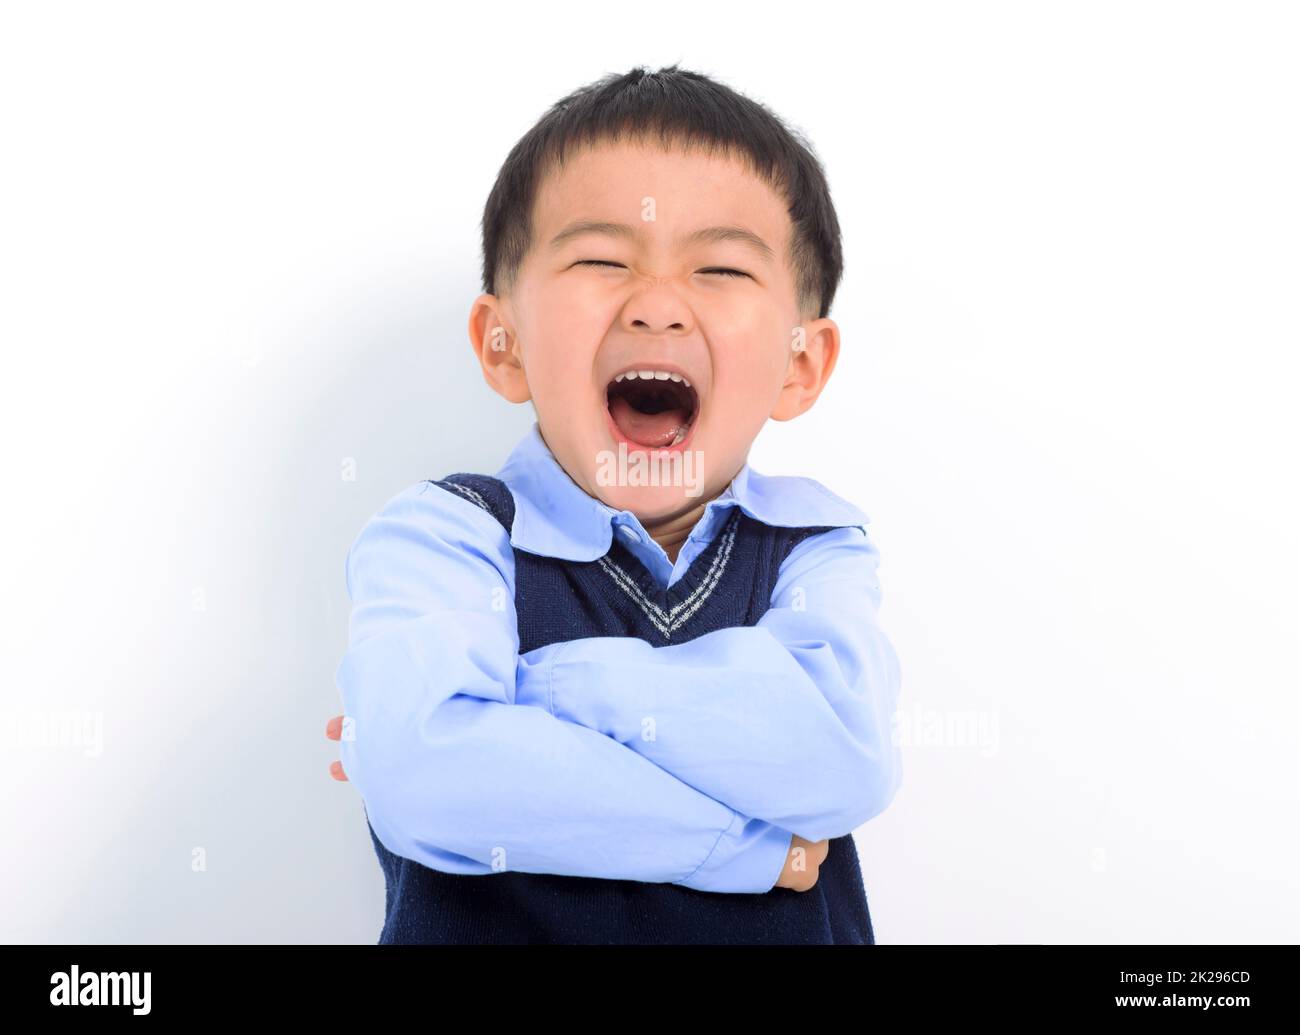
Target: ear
[497,347]
[814,348]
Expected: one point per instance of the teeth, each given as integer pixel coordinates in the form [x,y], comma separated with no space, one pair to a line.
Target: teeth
[652,375]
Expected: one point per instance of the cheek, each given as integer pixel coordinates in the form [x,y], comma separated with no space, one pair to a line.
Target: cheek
[753,357]
[563,334]
[558,313]
[756,324]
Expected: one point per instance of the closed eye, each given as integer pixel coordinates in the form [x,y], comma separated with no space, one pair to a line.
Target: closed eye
[727,272]
[720,271]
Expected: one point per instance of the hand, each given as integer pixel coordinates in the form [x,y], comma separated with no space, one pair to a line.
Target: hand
[334,730]
[808,856]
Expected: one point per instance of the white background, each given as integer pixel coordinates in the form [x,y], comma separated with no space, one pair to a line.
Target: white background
[238,245]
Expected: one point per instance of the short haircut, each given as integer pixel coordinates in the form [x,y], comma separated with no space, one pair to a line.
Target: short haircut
[684,109]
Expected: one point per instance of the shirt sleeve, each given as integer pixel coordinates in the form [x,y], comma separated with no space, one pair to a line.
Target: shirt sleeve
[456,774]
[788,720]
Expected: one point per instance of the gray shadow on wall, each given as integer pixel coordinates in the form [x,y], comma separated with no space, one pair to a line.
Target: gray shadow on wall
[285,849]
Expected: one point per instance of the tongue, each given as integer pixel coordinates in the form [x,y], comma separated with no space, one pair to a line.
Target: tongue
[647,429]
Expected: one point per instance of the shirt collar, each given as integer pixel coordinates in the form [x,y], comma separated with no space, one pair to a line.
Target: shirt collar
[555,517]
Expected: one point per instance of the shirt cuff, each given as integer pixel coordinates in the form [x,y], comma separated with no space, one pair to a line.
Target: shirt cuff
[534,676]
[748,858]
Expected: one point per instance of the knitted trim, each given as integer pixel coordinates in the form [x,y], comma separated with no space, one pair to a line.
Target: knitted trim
[673,618]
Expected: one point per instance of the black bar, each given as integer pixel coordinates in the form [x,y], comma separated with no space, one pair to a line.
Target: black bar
[450,986]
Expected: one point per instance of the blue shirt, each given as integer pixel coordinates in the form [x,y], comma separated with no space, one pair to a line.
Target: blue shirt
[600,756]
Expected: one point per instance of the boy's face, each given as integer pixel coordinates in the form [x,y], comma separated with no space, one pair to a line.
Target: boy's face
[648,290]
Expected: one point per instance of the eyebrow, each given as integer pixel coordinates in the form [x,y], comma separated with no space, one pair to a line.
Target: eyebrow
[708,235]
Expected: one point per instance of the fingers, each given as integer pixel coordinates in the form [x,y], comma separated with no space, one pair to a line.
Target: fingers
[813,854]
[334,730]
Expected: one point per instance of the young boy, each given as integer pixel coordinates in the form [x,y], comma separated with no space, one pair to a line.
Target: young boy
[629,690]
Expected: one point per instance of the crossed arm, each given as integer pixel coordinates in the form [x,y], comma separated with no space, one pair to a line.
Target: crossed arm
[455,775]
[788,720]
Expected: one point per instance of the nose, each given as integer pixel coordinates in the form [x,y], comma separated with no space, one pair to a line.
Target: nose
[656,309]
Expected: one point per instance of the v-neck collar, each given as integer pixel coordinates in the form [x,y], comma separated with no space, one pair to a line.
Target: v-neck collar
[668,609]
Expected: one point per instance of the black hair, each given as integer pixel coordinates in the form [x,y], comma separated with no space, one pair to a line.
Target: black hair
[685,109]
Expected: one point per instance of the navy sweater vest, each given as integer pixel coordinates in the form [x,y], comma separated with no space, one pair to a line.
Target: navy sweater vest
[563,600]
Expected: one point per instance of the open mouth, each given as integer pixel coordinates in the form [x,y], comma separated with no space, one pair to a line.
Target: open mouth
[655,411]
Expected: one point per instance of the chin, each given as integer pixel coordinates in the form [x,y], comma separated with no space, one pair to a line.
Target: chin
[629,476]
[650,503]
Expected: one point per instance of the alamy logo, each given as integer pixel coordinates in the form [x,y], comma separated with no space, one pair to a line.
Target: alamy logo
[124,988]
[660,467]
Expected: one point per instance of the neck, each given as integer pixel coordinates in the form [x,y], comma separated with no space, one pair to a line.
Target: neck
[672,531]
